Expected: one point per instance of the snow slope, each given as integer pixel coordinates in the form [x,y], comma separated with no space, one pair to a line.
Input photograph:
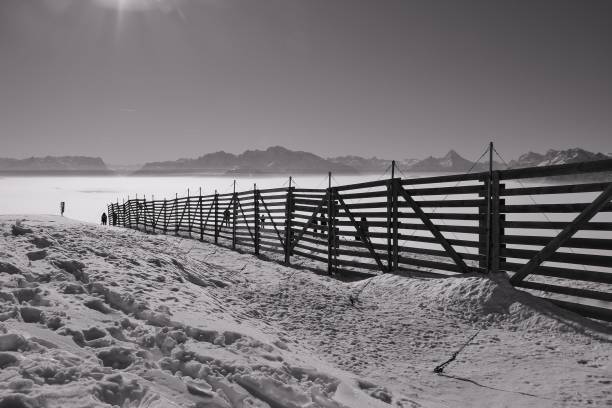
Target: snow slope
[93,316]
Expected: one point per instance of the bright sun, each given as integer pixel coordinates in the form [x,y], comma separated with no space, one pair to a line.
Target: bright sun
[137,4]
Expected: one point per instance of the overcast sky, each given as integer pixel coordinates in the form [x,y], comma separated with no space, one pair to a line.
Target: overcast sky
[141,80]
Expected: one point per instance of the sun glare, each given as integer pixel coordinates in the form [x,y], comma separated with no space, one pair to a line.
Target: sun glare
[127,5]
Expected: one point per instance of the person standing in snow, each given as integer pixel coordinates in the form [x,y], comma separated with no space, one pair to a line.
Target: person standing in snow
[363,227]
[62,207]
[226,217]
[104,218]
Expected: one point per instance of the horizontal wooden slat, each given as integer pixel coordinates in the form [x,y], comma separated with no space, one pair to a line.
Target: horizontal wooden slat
[587,243]
[562,257]
[565,273]
[310,248]
[594,312]
[432,240]
[445,178]
[554,189]
[357,264]
[549,208]
[556,225]
[429,264]
[565,290]
[309,255]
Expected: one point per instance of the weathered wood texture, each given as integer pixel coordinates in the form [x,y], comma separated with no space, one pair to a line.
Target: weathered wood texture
[442,225]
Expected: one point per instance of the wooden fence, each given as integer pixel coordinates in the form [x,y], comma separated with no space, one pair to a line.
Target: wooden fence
[553,238]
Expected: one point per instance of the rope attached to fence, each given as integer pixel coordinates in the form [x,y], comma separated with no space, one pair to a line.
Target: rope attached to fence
[439,369]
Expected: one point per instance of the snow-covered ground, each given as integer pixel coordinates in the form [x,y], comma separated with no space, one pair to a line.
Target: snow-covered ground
[94,316]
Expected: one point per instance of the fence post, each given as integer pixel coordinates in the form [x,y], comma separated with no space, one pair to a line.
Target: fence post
[396,186]
[201,216]
[188,204]
[144,213]
[288,217]
[484,220]
[216,217]
[165,216]
[497,221]
[234,216]
[154,219]
[389,224]
[256,209]
[331,241]
[177,226]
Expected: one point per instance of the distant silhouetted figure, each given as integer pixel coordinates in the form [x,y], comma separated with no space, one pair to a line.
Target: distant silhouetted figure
[62,207]
[262,222]
[226,217]
[363,227]
[104,218]
[114,218]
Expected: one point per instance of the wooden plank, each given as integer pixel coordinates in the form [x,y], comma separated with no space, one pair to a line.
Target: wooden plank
[288,216]
[234,216]
[594,312]
[357,264]
[586,243]
[557,242]
[275,250]
[555,189]
[309,256]
[322,242]
[562,257]
[552,208]
[565,290]
[425,263]
[439,253]
[308,224]
[445,178]
[432,240]
[565,273]
[322,251]
[321,191]
[356,186]
[331,228]
[257,219]
[354,253]
[216,218]
[282,241]
[389,222]
[558,225]
[364,237]
[434,230]
[246,221]
[367,194]
[448,203]
[497,230]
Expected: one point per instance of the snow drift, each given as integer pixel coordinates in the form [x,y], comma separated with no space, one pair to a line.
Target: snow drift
[93,317]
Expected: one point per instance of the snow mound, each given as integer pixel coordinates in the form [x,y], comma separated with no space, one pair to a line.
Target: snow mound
[483,300]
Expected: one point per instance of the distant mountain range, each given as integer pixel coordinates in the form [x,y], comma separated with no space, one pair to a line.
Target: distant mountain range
[371,165]
[552,157]
[274,160]
[279,160]
[54,165]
